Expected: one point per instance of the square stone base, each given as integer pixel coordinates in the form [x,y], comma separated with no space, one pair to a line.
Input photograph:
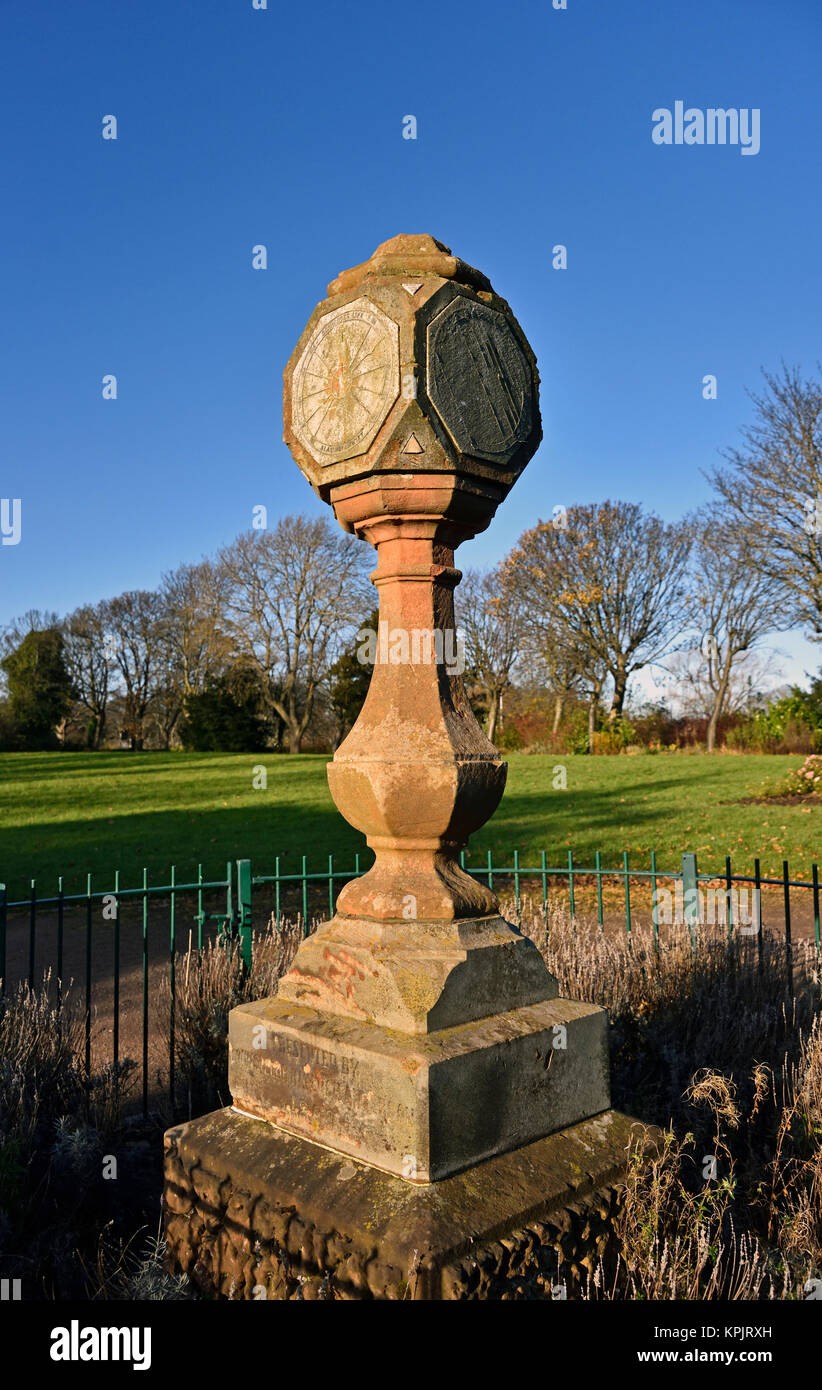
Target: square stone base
[254,1212]
[422,1106]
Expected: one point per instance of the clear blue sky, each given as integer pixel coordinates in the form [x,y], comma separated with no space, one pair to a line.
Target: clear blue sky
[284,127]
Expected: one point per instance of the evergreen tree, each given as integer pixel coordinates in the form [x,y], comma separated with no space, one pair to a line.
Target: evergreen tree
[39,686]
[227,715]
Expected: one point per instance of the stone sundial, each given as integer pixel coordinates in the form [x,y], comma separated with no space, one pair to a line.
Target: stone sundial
[411,405]
[417,1112]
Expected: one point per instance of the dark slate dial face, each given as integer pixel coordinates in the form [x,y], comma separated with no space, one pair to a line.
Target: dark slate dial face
[479,380]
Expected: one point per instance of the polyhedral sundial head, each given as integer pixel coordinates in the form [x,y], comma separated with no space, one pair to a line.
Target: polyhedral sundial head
[412,365]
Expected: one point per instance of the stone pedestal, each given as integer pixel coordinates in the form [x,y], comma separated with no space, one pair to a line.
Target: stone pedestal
[252,1212]
[423,1106]
[417,1032]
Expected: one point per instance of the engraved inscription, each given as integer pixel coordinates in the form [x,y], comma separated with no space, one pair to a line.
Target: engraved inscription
[479,380]
[305,1087]
[346,381]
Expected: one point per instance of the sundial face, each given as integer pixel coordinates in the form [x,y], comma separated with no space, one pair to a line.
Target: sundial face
[346,381]
[479,380]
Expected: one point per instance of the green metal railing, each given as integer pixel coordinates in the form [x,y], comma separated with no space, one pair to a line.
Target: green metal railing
[109,902]
[227,908]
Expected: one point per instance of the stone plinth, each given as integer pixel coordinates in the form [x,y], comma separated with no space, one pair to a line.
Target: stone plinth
[424,1106]
[252,1212]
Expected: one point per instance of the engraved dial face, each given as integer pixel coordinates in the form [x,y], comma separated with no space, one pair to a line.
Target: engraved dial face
[346,381]
[479,380]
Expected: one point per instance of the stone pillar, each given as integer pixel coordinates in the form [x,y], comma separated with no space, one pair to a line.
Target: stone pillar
[417,1032]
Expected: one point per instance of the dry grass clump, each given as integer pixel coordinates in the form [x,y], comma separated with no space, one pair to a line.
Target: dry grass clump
[208,987]
[56,1125]
[134,1269]
[711,1045]
[696,1226]
[676,1011]
[792,1193]
[40,1074]
[679,1238]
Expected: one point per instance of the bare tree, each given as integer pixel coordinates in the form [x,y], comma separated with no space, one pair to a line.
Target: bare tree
[84,652]
[135,636]
[773,484]
[491,622]
[612,581]
[566,667]
[167,701]
[194,600]
[195,644]
[734,603]
[592,678]
[294,593]
[752,678]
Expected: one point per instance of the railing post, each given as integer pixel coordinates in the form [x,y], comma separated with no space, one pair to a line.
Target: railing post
[815,875]
[305,899]
[244,910]
[786,877]
[226,927]
[627,896]
[758,908]
[146,991]
[32,929]
[654,902]
[87,1019]
[172,986]
[200,917]
[544,872]
[3,912]
[60,917]
[690,895]
[116,1001]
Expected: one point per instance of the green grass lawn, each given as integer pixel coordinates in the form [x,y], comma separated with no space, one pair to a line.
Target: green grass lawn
[70,813]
